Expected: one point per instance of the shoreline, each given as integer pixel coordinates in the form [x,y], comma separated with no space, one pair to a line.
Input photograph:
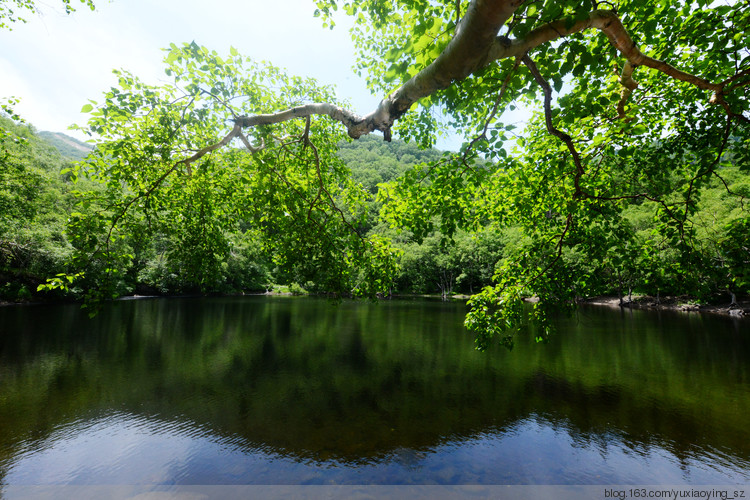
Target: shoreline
[644,302]
[669,303]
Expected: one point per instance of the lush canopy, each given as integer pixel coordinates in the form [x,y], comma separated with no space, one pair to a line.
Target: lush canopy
[637,104]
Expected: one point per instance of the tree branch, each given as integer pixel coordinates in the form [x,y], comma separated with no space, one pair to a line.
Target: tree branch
[494,111]
[355,124]
[707,171]
[236,132]
[475,45]
[628,86]
[551,127]
[609,23]
[466,53]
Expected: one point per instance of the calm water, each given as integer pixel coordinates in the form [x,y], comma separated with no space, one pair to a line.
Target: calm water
[262,390]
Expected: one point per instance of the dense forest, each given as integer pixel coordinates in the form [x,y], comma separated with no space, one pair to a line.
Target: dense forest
[42,196]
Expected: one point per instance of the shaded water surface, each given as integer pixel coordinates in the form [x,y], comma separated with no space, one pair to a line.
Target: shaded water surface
[274,390]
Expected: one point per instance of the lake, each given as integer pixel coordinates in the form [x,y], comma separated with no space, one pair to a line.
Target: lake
[297,391]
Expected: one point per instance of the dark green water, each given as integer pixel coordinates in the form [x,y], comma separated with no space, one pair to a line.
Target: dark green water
[280,390]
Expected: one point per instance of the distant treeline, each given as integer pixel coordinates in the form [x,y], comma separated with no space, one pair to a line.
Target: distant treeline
[38,200]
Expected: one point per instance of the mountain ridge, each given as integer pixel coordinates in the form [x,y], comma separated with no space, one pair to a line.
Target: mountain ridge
[68,146]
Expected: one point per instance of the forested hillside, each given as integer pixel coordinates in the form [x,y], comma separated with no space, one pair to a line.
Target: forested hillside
[69,147]
[39,223]
[35,202]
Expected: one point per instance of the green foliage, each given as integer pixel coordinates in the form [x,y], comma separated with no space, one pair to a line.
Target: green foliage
[69,147]
[34,200]
[11,11]
[603,191]
[373,161]
[734,248]
[636,210]
[293,193]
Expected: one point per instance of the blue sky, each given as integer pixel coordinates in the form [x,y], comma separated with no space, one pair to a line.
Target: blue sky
[55,62]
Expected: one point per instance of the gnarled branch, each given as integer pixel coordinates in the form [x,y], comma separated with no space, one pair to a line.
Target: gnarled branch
[475,45]
[466,53]
[609,23]
[551,127]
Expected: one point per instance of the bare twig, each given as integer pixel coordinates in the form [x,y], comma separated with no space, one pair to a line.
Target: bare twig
[332,203]
[707,171]
[495,108]
[551,127]
[558,252]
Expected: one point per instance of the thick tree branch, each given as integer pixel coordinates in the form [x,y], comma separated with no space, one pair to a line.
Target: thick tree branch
[355,124]
[466,53]
[475,45]
[628,86]
[609,23]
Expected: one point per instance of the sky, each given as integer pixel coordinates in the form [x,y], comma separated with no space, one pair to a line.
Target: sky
[56,62]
